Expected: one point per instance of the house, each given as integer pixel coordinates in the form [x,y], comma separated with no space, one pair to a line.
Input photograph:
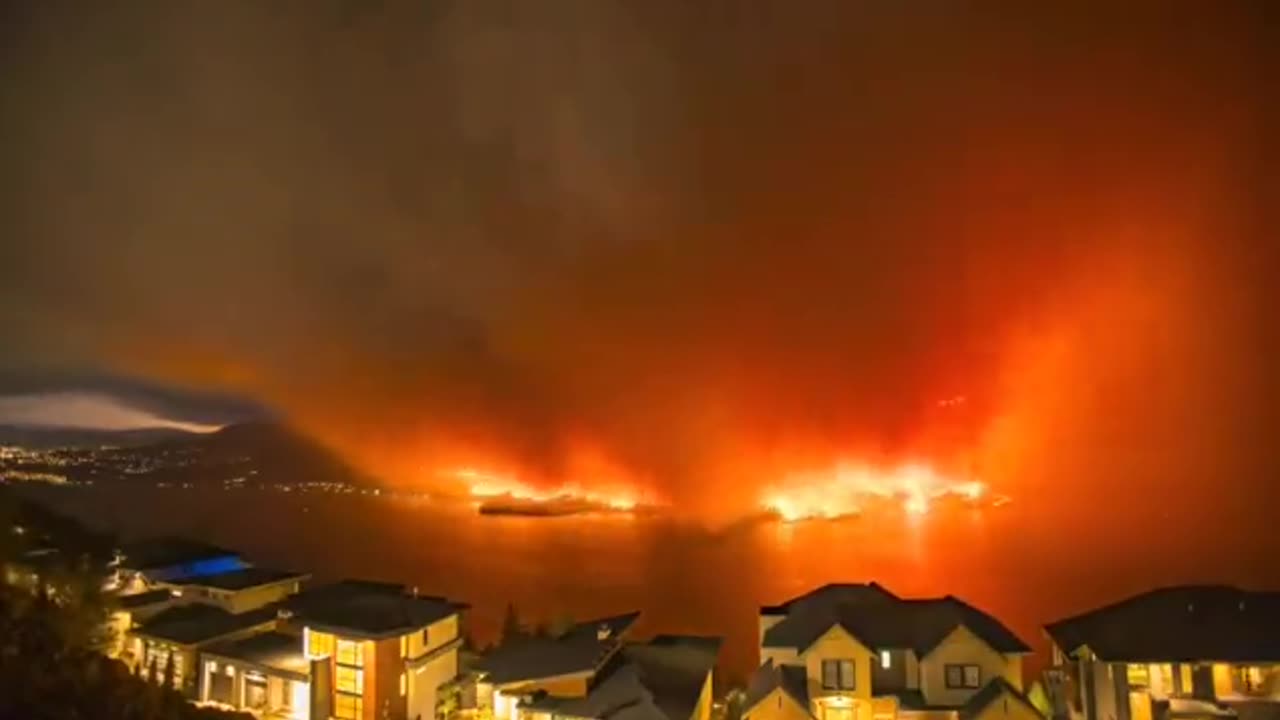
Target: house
[174,637]
[239,590]
[591,671]
[267,674]
[859,652]
[1176,652]
[236,592]
[143,565]
[376,650]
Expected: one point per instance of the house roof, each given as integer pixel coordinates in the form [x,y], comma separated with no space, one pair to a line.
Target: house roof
[143,599]
[583,648]
[241,579]
[369,609]
[658,680]
[1182,623]
[881,620]
[198,623]
[791,679]
[992,691]
[164,552]
[270,649]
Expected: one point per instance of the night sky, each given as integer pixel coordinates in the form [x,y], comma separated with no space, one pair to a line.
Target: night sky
[692,245]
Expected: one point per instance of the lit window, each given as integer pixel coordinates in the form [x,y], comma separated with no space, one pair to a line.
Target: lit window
[963,676]
[1138,675]
[404,646]
[349,679]
[318,644]
[211,666]
[837,675]
[348,707]
[1184,678]
[231,671]
[885,660]
[404,684]
[1166,677]
[350,652]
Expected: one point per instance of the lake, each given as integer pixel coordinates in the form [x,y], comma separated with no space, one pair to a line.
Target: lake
[1028,563]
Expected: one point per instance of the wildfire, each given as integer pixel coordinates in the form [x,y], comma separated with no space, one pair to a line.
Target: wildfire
[487,486]
[849,487]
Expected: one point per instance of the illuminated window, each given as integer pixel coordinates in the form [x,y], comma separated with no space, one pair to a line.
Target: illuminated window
[1166,677]
[1248,679]
[211,666]
[885,660]
[837,675]
[349,679]
[348,707]
[404,684]
[404,646]
[963,676]
[1138,675]
[319,644]
[231,671]
[1184,677]
[350,652]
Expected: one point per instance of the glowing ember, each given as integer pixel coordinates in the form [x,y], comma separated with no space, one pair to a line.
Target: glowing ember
[845,490]
[487,486]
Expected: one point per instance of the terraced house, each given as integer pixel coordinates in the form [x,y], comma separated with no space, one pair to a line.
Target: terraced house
[1195,652]
[859,652]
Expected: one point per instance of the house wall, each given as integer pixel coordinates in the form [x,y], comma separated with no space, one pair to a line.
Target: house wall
[964,648]
[837,644]
[892,678]
[777,705]
[437,634]
[424,684]
[383,700]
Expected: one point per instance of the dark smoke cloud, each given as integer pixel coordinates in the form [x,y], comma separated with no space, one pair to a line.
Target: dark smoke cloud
[705,239]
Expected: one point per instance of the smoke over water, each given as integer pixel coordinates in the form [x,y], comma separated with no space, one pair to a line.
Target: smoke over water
[691,250]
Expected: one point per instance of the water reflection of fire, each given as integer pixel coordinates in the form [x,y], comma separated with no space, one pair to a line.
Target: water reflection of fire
[487,486]
[849,487]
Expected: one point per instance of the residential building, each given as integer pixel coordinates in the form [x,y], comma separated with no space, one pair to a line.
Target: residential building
[267,674]
[240,590]
[174,636]
[143,565]
[376,651]
[1176,652]
[591,671]
[859,652]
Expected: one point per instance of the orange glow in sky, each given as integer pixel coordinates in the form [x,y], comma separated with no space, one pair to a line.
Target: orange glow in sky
[484,485]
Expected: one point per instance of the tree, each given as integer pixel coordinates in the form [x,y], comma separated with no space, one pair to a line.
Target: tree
[167,675]
[511,627]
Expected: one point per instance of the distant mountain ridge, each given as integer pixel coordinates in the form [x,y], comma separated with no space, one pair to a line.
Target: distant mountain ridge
[49,437]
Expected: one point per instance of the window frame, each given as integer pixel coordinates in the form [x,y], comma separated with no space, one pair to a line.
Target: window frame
[357,706]
[834,676]
[960,680]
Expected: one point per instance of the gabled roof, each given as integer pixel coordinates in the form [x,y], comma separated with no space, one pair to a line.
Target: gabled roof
[992,691]
[199,623]
[1179,624]
[881,620]
[369,609]
[791,679]
[241,579]
[582,649]
[658,680]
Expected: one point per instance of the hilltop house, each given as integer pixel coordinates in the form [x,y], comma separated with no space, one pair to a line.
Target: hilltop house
[859,652]
[143,565]
[1178,652]
[591,671]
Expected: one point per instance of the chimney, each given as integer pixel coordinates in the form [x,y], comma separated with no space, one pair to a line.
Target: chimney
[603,632]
